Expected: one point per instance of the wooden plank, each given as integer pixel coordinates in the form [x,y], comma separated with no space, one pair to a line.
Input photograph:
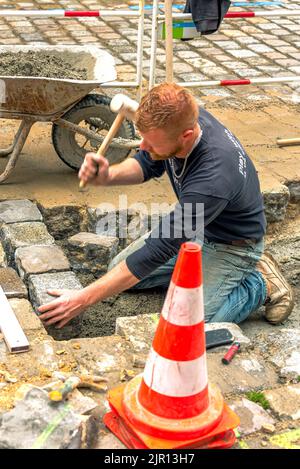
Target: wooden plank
[14,336]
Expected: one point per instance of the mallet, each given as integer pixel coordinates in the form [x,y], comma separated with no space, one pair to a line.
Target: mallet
[126,108]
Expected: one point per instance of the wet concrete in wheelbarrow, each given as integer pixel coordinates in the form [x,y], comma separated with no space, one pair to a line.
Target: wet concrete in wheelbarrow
[35,64]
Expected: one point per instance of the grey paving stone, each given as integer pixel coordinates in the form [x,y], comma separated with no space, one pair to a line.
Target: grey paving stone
[283,348]
[17,235]
[89,252]
[3,261]
[260,48]
[215,92]
[241,54]
[38,286]
[276,202]
[40,259]
[15,211]
[11,283]
[228,45]
[246,372]
[248,72]
[294,188]
[25,315]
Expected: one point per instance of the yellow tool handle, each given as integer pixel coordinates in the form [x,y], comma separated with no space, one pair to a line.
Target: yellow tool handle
[108,138]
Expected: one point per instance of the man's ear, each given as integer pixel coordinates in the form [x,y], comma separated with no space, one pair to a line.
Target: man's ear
[187,133]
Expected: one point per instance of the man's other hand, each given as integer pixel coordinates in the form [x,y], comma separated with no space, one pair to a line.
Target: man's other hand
[68,305]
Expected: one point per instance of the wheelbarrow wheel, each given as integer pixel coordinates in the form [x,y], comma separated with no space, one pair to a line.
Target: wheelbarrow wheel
[94,114]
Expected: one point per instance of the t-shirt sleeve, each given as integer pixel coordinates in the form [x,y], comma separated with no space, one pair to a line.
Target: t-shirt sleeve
[151,169]
[187,221]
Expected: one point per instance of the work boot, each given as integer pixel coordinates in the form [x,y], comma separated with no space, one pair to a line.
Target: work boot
[280,301]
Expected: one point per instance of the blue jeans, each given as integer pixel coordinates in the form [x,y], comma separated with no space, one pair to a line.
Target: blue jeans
[232,287]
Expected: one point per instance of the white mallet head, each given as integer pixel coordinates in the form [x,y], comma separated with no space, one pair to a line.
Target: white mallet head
[125,105]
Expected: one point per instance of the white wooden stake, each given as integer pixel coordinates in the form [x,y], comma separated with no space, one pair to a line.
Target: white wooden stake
[14,336]
[169,41]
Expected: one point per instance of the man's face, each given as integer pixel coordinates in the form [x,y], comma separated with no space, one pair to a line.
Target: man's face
[160,145]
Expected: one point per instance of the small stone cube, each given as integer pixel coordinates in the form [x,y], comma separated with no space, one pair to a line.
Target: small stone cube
[11,283]
[89,252]
[17,235]
[16,211]
[40,259]
[38,286]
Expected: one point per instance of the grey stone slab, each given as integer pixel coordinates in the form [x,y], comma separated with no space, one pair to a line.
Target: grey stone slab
[17,235]
[40,259]
[26,316]
[89,252]
[11,283]
[283,351]
[22,427]
[276,202]
[138,330]
[253,416]
[294,188]
[38,286]
[3,261]
[246,372]
[16,211]
[102,356]
[285,401]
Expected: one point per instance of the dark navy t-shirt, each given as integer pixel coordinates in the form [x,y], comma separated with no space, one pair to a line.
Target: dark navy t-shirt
[218,174]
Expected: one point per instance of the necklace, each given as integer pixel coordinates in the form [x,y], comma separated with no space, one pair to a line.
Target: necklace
[178,176]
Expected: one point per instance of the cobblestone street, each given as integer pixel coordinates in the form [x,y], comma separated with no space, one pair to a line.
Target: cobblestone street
[243,47]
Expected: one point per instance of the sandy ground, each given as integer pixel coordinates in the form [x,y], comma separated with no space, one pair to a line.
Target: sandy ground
[42,176]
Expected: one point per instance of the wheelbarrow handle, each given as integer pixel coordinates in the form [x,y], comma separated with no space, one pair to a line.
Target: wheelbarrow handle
[108,138]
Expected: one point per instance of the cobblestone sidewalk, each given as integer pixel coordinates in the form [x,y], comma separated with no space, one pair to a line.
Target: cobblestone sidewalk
[243,47]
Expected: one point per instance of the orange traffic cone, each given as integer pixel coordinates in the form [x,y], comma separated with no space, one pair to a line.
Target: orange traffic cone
[172,405]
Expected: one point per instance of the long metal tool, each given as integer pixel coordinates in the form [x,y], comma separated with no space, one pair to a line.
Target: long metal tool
[14,336]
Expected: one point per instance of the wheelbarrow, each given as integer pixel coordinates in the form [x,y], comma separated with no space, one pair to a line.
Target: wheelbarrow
[80,118]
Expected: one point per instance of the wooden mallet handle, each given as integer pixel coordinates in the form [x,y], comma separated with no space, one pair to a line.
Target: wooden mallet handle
[108,138]
[284,142]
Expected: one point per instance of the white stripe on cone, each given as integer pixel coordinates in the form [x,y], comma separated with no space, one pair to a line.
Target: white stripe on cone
[183,306]
[173,378]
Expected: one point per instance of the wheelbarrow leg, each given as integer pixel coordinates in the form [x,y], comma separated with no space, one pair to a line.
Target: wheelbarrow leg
[7,151]
[20,140]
